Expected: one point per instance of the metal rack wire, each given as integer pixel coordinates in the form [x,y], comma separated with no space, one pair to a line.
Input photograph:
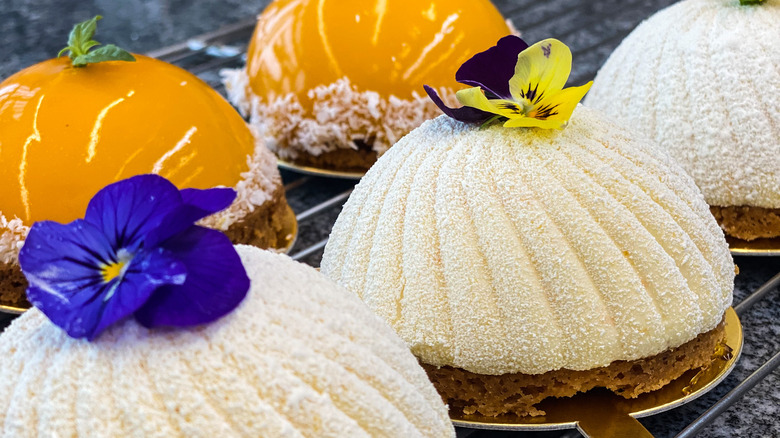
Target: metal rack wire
[318,202]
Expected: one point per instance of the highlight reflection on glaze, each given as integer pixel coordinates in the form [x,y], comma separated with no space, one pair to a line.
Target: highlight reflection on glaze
[388,47]
[65,132]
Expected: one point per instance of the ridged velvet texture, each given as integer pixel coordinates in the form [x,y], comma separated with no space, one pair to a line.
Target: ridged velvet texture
[505,250]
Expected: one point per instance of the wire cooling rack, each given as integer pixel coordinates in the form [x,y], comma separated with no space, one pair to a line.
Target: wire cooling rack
[592,30]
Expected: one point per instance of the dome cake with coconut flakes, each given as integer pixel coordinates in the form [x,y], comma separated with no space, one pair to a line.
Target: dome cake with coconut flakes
[185,335]
[333,84]
[702,78]
[69,126]
[519,262]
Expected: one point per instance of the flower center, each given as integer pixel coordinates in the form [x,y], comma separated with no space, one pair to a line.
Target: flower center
[118,268]
[543,112]
[527,106]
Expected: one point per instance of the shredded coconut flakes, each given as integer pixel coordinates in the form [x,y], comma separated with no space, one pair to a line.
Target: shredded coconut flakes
[12,235]
[255,188]
[341,115]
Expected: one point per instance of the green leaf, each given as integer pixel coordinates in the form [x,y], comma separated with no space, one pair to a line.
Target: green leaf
[109,52]
[89,44]
[80,44]
[81,36]
[751,2]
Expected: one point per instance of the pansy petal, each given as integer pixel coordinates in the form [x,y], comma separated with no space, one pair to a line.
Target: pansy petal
[60,260]
[146,274]
[464,114]
[565,101]
[197,204]
[77,321]
[493,68]
[209,201]
[529,122]
[67,284]
[474,97]
[541,69]
[216,282]
[127,210]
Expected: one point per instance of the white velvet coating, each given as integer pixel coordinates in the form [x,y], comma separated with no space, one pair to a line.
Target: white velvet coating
[702,78]
[300,357]
[523,250]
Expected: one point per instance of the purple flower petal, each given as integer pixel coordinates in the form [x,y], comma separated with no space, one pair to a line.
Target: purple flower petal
[464,114]
[127,210]
[146,273]
[216,282]
[197,205]
[63,259]
[209,201]
[64,267]
[493,68]
[134,253]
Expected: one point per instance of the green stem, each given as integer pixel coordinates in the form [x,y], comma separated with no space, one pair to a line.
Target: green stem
[490,121]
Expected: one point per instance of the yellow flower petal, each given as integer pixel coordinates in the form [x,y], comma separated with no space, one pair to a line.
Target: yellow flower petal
[475,97]
[541,70]
[563,102]
[528,122]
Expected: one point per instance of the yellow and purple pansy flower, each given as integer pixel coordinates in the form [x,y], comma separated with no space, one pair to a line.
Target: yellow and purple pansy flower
[517,84]
[137,252]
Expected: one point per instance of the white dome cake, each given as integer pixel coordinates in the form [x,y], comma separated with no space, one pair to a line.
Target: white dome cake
[300,357]
[702,78]
[497,252]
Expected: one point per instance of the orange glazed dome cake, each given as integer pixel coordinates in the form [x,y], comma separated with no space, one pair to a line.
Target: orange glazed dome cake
[299,357]
[334,84]
[702,78]
[68,130]
[519,262]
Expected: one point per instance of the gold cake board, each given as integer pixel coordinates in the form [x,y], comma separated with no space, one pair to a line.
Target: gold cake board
[316,171]
[602,414]
[289,229]
[758,247]
[12,310]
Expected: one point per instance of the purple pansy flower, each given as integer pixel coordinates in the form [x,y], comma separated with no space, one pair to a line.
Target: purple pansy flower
[136,252]
[519,84]
[491,70]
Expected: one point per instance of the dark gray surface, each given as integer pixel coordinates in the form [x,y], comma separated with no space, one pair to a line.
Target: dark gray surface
[34,30]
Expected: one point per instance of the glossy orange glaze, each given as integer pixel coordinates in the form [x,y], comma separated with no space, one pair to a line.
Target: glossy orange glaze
[66,132]
[387,46]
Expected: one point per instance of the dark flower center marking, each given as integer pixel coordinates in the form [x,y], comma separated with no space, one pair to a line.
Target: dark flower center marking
[509,106]
[544,111]
[531,95]
[546,48]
